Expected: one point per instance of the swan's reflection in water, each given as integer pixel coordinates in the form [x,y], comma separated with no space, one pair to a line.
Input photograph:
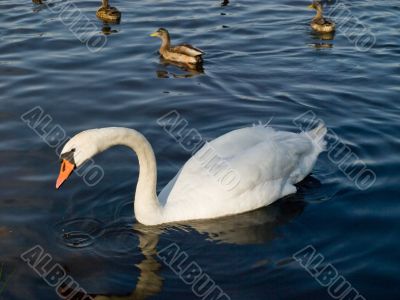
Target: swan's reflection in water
[254,227]
[188,69]
[119,240]
[249,228]
[149,282]
[322,38]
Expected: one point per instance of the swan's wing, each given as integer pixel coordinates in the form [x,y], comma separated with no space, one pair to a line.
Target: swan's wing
[265,156]
[237,141]
[163,195]
[187,49]
[239,171]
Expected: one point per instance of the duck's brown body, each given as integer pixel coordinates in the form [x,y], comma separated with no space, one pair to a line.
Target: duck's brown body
[322,25]
[183,53]
[319,23]
[108,13]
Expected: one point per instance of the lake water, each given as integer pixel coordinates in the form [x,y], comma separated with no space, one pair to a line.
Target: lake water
[262,65]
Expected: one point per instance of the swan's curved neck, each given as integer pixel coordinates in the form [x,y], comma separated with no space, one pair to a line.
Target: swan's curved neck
[147,207]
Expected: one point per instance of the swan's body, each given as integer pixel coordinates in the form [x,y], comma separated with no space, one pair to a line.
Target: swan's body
[261,165]
[183,53]
[108,13]
[319,23]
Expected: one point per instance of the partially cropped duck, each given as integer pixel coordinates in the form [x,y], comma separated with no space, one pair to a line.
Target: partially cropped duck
[183,53]
[319,23]
[255,167]
[108,13]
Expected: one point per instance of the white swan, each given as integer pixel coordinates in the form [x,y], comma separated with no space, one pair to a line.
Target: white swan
[239,171]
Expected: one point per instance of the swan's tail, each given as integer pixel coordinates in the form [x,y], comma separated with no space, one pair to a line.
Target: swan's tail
[317,136]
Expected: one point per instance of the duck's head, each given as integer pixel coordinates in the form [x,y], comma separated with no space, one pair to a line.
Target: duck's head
[161,33]
[317,5]
[77,151]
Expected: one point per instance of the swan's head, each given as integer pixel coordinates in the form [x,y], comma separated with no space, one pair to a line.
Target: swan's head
[77,151]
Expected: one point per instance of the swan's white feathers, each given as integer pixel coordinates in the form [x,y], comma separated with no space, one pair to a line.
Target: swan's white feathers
[267,163]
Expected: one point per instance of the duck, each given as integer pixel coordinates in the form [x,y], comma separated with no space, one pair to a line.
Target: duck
[319,23]
[239,171]
[183,53]
[108,13]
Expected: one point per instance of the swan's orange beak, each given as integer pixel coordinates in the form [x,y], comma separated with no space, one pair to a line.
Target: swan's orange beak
[66,170]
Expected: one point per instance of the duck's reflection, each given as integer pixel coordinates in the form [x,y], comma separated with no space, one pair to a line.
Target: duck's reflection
[188,69]
[40,5]
[322,38]
[248,228]
[107,29]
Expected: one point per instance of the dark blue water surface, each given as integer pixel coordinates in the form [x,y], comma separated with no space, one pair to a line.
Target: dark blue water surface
[262,64]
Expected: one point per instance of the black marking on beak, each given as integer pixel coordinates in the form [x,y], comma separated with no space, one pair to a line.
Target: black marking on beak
[68,156]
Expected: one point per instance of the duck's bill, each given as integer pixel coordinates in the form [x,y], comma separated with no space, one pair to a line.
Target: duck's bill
[65,170]
[154,34]
[310,6]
